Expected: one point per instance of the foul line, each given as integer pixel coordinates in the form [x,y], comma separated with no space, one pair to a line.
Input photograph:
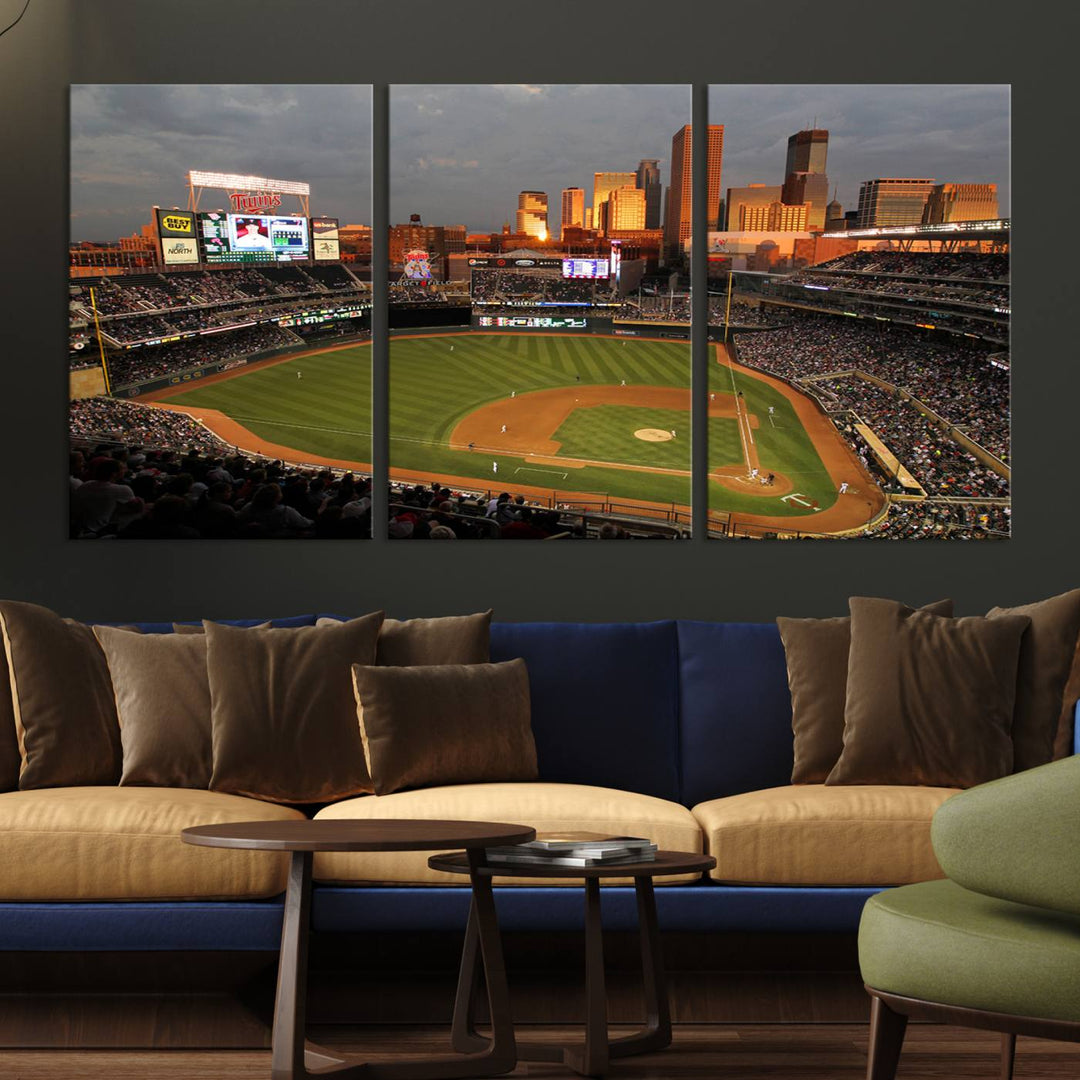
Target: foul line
[539,469]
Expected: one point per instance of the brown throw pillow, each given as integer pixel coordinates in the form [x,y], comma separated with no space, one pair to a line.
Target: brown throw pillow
[1066,734]
[163,702]
[454,639]
[817,663]
[9,739]
[447,724]
[929,700]
[197,628]
[283,713]
[1046,657]
[62,698]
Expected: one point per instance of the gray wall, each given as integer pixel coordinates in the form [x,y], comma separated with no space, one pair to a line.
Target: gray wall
[65,41]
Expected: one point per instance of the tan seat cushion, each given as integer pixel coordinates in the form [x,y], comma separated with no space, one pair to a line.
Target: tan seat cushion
[546,807]
[810,834]
[123,843]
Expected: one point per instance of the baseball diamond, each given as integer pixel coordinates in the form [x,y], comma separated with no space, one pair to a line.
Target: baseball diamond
[572,416]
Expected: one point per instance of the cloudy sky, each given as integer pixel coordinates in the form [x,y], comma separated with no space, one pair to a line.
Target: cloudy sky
[951,133]
[460,154]
[132,146]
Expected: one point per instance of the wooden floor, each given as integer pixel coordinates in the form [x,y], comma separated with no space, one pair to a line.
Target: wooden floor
[723,1052]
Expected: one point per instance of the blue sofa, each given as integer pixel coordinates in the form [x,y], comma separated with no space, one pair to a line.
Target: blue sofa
[685,712]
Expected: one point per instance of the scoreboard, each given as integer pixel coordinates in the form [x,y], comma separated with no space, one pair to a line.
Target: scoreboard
[585,268]
[253,238]
[549,322]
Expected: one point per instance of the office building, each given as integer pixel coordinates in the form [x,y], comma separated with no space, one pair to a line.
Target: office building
[751,195]
[961,202]
[892,201]
[776,217]
[532,214]
[648,179]
[679,200]
[807,151]
[626,209]
[573,208]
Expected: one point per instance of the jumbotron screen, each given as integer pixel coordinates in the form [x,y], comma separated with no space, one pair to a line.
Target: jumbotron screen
[239,238]
[585,268]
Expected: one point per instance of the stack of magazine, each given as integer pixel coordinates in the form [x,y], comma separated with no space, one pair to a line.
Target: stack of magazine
[575,849]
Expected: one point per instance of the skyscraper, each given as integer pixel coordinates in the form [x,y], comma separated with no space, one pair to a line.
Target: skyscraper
[807,151]
[679,207]
[892,201]
[648,179]
[626,208]
[532,214]
[805,179]
[573,207]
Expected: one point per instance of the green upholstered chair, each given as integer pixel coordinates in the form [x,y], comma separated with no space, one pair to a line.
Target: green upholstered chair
[997,944]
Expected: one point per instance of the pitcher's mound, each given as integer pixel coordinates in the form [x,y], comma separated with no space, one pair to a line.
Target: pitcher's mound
[652,434]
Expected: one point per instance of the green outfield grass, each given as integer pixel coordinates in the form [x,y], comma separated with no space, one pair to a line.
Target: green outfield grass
[433,387]
[327,411]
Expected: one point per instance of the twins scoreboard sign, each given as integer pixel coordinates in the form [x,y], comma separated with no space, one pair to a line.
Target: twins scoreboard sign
[176,234]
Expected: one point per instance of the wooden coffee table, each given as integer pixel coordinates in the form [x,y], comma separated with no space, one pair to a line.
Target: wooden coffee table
[592,1057]
[294,1059]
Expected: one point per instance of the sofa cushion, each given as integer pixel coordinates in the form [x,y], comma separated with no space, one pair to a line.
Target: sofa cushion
[929,699]
[444,724]
[113,843]
[283,713]
[546,807]
[605,701]
[163,702]
[1046,658]
[65,715]
[939,942]
[810,834]
[736,709]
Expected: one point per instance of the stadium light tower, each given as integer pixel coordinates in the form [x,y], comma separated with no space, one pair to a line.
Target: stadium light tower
[249,194]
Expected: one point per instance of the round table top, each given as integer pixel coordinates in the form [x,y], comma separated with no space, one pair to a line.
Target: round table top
[666,862]
[344,834]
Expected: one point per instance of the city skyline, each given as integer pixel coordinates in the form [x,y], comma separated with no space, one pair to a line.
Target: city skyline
[955,133]
[460,155]
[133,145]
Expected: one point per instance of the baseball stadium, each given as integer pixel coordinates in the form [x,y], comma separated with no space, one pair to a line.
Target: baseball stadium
[231,362]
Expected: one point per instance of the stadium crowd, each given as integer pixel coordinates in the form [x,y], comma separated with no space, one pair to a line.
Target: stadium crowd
[937,461]
[141,473]
[971,266]
[930,519]
[139,365]
[955,379]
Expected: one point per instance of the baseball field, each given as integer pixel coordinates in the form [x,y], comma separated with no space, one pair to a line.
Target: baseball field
[583,416]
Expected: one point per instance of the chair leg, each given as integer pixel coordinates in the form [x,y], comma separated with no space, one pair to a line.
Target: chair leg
[886,1039]
[1008,1056]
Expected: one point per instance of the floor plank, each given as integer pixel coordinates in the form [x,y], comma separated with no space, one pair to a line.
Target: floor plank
[716,1052]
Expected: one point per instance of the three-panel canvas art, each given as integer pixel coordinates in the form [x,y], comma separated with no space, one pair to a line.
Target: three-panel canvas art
[542,285]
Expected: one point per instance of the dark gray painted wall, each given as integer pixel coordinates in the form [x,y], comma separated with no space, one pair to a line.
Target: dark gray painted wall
[65,41]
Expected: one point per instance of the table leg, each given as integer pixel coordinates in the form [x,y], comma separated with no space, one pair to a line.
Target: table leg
[657,1031]
[463,1034]
[287,1056]
[592,1059]
[294,1059]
